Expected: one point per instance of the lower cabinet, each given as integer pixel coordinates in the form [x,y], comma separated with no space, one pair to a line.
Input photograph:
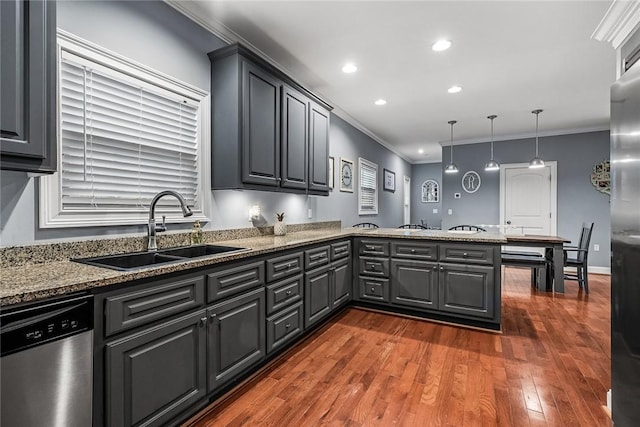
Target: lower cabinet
[467,289]
[326,289]
[414,283]
[236,336]
[342,286]
[156,373]
[284,326]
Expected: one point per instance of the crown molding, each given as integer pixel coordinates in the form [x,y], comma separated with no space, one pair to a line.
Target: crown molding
[619,22]
[525,135]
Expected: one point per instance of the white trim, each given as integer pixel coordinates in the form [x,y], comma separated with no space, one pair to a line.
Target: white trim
[553,165]
[406,205]
[50,204]
[619,22]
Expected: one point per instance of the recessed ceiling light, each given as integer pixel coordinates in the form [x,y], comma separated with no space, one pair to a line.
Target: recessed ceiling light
[421,151]
[441,45]
[380,101]
[349,68]
[454,89]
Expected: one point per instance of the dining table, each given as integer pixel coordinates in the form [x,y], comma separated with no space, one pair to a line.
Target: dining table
[554,253]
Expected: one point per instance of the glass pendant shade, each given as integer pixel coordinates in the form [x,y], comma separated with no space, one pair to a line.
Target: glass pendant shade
[451,167]
[536,162]
[492,165]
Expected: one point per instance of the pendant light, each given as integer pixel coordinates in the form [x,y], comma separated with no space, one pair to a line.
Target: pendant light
[492,165]
[536,162]
[451,167]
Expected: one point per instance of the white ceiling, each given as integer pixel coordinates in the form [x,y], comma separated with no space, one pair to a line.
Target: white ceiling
[510,57]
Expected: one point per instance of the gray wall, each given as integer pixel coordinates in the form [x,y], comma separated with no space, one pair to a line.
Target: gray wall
[578,200]
[424,211]
[348,142]
[156,35]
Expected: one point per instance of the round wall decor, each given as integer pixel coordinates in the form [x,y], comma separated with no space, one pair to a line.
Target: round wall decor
[471,182]
[601,176]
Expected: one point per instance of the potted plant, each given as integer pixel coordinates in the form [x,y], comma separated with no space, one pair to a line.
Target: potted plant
[280,227]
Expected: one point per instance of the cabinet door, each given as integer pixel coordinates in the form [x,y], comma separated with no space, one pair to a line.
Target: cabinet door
[28,85]
[318,148]
[467,289]
[317,295]
[295,135]
[155,374]
[236,337]
[414,283]
[260,126]
[342,283]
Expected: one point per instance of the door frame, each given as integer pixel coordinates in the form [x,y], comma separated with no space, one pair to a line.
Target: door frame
[553,165]
[406,203]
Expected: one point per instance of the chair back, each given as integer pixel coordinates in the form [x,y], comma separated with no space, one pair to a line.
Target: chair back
[413,226]
[467,227]
[365,225]
[585,239]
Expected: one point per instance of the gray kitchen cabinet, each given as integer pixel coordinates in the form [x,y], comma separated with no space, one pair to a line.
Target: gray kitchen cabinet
[414,283]
[373,289]
[318,149]
[260,126]
[467,289]
[236,337]
[317,295]
[268,132]
[28,86]
[284,327]
[342,283]
[153,375]
[230,280]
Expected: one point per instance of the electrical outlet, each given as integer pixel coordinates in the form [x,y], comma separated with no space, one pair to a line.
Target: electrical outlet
[596,247]
[435,210]
[450,211]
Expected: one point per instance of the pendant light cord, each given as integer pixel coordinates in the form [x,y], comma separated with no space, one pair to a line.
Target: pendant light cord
[452,122]
[537,113]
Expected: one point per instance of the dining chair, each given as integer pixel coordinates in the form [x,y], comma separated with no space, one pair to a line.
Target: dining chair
[579,261]
[467,227]
[365,225]
[413,226]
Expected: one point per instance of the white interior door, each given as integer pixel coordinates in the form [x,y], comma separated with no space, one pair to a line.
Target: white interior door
[528,199]
[407,200]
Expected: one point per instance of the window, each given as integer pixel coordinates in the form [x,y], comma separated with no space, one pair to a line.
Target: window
[125,133]
[368,188]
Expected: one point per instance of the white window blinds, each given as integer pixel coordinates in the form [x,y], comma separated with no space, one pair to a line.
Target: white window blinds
[368,189]
[123,140]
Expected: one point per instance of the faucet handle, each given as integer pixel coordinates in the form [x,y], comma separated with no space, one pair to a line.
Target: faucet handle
[162,226]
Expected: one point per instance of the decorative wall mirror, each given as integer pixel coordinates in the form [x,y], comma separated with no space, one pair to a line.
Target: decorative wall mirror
[430,191]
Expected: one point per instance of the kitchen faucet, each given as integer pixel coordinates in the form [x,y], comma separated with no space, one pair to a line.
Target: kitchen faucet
[153,228]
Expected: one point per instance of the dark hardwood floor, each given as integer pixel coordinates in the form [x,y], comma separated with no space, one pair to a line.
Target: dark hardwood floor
[549,367]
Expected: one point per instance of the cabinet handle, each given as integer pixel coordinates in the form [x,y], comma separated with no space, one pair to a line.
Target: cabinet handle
[372,267]
[413,251]
[288,292]
[212,315]
[465,254]
[370,247]
[203,321]
[441,268]
[373,289]
[287,326]
[435,267]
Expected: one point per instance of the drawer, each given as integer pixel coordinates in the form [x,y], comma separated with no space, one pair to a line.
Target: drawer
[371,289]
[230,281]
[417,251]
[283,327]
[373,247]
[284,266]
[316,257]
[340,250]
[374,266]
[132,309]
[467,254]
[284,293]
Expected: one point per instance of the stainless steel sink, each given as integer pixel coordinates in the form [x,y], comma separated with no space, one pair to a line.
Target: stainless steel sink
[136,260]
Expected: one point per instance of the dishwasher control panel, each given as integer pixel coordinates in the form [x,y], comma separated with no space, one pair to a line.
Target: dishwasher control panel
[33,325]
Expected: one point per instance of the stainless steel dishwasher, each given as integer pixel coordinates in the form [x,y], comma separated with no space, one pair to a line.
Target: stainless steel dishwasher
[46,364]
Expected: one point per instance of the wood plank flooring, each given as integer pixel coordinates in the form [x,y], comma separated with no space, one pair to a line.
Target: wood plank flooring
[549,367]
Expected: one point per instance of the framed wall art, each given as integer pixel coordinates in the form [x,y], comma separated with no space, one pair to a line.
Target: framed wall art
[471,182]
[389,180]
[430,191]
[346,175]
[601,177]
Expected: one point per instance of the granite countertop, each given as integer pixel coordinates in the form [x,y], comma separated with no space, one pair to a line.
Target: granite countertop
[31,282]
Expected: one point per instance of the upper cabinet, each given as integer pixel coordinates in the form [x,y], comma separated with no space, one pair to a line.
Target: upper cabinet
[28,86]
[268,132]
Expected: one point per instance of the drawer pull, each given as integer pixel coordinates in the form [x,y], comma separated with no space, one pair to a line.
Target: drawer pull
[288,293]
[435,267]
[413,251]
[465,254]
[372,267]
[203,321]
[370,248]
[441,268]
[213,315]
[287,326]
[373,289]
